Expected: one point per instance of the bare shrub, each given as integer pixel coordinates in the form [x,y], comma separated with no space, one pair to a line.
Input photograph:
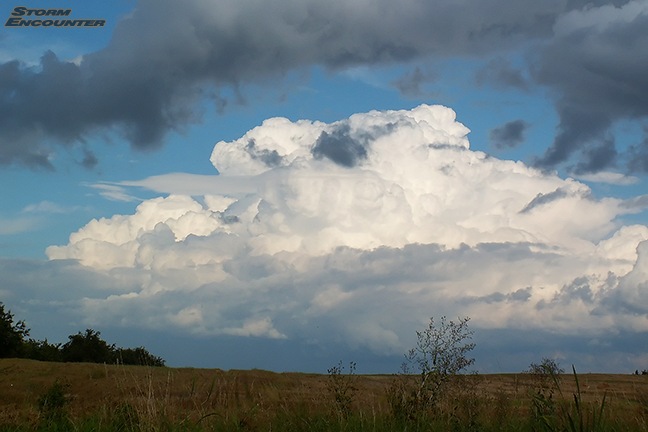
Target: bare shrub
[441,352]
[341,387]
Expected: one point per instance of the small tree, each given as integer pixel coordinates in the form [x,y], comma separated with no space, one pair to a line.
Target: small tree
[12,334]
[441,352]
[88,347]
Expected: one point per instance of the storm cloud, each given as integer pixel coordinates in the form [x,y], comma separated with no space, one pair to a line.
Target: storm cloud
[509,135]
[596,64]
[186,52]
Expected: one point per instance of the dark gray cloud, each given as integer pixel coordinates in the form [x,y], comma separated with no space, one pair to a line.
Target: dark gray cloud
[167,54]
[542,199]
[269,158]
[637,203]
[509,135]
[520,295]
[346,147]
[508,349]
[411,84]
[89,159]
[578,290]
[340,147]
[499,73]
[598,75]
[597,157]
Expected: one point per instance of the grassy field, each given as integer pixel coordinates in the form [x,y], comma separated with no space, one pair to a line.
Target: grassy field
[92,397]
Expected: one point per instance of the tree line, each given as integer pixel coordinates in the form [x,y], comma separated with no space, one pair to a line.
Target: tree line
[86,347]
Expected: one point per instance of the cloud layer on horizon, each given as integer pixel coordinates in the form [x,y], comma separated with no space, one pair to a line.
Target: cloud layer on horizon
[357,231]
[589,54]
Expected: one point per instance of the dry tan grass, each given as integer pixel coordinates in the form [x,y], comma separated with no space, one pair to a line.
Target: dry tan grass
[186,394]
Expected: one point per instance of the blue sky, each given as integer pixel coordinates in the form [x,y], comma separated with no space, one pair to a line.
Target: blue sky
[529,224]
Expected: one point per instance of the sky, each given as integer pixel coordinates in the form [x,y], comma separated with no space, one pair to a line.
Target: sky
[241,186]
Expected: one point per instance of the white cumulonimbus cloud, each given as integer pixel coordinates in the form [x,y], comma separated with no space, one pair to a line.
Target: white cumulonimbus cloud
[357,231]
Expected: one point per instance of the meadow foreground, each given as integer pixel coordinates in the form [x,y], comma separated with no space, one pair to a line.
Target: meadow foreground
[79,396]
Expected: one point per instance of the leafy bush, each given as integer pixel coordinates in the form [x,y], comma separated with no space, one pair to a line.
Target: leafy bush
[52,406]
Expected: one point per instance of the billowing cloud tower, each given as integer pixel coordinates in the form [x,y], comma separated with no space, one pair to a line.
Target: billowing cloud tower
[357,231]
